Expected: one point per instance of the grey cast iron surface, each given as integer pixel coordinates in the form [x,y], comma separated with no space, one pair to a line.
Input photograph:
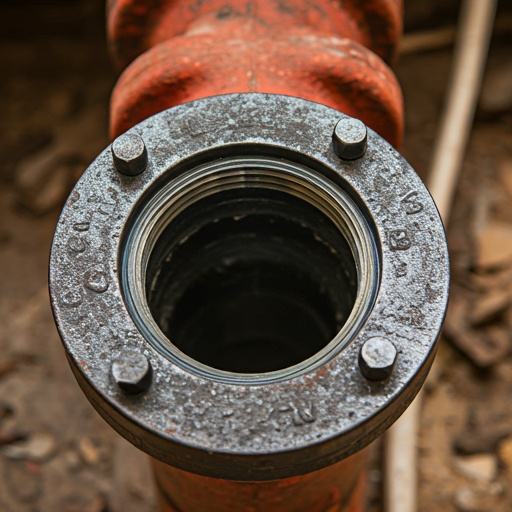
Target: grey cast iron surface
[257,432]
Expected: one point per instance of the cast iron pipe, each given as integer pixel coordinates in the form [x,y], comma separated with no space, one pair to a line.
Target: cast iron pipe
[176,51]
[250,287]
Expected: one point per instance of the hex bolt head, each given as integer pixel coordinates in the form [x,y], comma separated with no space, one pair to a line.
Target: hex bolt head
[350,138]
[130,154]
[132,372]
[377,358]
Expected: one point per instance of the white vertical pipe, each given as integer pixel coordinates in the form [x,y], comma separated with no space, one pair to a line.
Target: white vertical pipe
[471,48]
[472,45]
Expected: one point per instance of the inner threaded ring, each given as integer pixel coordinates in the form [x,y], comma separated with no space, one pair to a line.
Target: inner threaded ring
[255,266]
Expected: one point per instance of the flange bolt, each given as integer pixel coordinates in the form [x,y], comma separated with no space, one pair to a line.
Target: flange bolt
[350,138]
[132,372]
[377,358]
[130,154]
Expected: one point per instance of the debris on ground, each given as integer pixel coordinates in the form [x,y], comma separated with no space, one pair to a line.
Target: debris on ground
[37,448]
[88,451]
[505,454]
[481,468]
[475,441]
[487,308]
[494,246]
[485,346]
[43,181]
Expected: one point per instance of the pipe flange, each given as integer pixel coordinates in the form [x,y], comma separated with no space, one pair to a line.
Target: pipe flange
[228,424]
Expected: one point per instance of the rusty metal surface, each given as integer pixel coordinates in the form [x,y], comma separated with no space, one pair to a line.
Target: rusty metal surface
[251,432]
[327,52]
[134,26]
[339,488]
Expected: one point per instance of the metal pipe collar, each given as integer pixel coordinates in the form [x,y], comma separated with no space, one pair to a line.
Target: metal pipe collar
[250,286]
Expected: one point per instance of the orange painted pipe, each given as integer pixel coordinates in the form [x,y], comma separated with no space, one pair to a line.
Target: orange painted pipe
[326,51]
[332,52]
[337,488]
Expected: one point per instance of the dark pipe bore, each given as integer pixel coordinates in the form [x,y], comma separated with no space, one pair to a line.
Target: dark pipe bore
[251,280]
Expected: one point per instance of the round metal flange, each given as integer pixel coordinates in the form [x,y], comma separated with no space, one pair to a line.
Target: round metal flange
[250,426]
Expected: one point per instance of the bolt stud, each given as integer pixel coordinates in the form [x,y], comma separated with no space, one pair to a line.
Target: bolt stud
[350,138]
[377,358]
[130,154]
[132,372]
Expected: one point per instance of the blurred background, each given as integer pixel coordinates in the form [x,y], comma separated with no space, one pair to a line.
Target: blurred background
[56,454]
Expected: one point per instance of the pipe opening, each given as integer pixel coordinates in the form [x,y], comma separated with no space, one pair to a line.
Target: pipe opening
[251,280]
[250,266]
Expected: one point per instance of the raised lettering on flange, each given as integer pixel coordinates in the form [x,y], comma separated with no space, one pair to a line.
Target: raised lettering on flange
[399,240]
[412,205]
[96,280]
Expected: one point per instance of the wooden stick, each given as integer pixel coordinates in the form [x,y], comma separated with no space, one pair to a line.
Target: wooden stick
[470,57]
[444,37]
[428,40]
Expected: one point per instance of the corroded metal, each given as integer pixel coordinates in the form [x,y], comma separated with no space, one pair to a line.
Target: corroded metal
[338,488]
[377,358]
[350,138]
[129,154]
[276,425]
[176,51]
[132,372]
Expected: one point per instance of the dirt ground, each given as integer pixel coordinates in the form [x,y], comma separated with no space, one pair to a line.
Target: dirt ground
[56,452]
